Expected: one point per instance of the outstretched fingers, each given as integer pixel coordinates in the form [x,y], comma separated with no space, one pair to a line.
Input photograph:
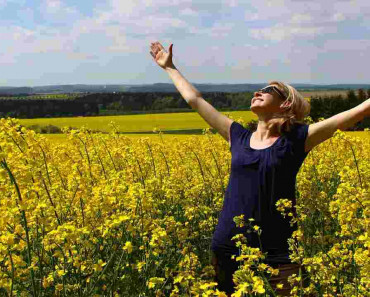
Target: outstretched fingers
[155,48]
[159,46]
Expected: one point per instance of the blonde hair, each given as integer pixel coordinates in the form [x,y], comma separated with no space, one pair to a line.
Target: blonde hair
[294,113]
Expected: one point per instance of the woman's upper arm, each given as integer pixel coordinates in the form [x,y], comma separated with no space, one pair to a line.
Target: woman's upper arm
[213,117]
[319,132]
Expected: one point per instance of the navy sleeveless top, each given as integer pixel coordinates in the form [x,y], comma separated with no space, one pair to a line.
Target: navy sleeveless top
[258,178]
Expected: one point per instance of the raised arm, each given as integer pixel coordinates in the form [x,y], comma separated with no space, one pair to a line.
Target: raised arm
[325,129]
[191,95]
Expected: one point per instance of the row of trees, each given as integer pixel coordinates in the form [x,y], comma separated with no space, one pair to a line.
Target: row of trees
[327,106]
[103,103]
[129,103]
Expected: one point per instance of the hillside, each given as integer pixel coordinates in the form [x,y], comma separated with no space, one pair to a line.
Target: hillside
[163,87]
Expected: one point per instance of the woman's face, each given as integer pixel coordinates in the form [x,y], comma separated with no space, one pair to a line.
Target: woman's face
[267,100]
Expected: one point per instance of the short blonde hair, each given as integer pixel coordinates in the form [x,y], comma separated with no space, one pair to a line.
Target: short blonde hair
[295,112]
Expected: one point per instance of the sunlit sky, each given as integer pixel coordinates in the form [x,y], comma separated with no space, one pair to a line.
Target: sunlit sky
[46,42]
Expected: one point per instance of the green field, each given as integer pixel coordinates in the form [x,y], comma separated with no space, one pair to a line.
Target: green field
[137,123]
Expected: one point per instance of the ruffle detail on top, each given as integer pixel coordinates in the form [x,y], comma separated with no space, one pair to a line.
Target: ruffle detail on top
[279,150]
[250,156]
[283,149]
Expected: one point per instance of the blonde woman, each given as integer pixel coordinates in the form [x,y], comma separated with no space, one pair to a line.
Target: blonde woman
[264,166]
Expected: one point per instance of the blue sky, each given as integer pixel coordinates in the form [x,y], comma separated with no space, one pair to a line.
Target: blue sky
[220,41]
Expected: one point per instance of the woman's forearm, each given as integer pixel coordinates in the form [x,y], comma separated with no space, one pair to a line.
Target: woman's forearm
[186,89]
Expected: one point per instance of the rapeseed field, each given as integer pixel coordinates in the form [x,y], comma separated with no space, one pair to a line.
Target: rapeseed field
[110,215]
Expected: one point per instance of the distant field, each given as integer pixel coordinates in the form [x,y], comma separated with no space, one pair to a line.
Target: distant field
[69,96]
[324,93]
[62,138]
[137,123]
[144,123]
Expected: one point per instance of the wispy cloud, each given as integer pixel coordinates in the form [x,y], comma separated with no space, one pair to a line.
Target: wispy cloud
[215,41]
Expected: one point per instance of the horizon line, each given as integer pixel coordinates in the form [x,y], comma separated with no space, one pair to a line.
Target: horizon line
[168,83]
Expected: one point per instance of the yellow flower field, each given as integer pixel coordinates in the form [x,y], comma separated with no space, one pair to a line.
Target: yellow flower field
[110,215]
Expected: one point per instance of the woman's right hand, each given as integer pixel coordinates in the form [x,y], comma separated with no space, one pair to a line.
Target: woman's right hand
[161,56]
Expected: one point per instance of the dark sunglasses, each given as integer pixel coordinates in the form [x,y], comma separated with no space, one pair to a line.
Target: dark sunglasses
[271,89]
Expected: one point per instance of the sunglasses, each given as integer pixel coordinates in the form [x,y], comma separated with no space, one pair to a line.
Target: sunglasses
[270,90]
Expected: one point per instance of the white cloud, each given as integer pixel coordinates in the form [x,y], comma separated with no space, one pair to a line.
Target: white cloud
[281,32]
[58,7]
[80,56]
[249,16]
[20,34]
[53,5]
[221,30]
[188,12]
[231,3]
[127,7]
[338,17]
[346,45]
[300,18]
[229,40]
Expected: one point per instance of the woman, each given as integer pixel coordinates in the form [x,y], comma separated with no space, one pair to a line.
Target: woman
[264,166]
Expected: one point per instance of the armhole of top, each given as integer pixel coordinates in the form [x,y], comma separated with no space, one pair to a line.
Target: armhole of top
[300,136]
[230,129]
[305,132]
[235,131]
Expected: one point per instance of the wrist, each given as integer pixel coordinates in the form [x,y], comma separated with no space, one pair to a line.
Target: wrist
[170,68]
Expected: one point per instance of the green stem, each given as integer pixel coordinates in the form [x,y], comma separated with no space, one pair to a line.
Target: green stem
[51,201]
[100,275]
[11,262]
[23,214]
[152,158]
[100,160]
[267,283]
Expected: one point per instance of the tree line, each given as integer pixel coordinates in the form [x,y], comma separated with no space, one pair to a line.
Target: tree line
[110,103]
[327,106]
[132,103]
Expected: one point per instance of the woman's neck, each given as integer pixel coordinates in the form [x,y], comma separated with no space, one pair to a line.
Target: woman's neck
[263,133]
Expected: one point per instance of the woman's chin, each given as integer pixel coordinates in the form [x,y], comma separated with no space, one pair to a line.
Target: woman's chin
[256,108]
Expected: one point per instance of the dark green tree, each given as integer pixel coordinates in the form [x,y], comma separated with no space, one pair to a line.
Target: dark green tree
[361,95]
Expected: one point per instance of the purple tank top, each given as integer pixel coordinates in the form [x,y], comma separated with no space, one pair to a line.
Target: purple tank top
[258,178]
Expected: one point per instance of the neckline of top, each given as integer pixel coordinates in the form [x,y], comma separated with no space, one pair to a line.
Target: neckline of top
[249,143]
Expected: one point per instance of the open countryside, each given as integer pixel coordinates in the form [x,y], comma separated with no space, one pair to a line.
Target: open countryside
[128,203]
[113,185]
[179,124]
[133,217]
